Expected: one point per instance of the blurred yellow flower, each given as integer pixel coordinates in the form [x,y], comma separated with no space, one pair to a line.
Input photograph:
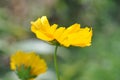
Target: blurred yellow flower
[71,36]
[29,62]
[42,29]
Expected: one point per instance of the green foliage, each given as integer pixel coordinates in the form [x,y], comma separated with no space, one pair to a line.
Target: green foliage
[24,73]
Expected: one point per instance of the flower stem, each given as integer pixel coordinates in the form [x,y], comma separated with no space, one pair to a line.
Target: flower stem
[55,63]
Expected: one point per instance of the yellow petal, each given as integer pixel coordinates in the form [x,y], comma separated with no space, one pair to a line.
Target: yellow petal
[36,25]
[74,28]
[53,28]
[42,36]
[81,38]
[59,32]
[13,66]
[42,29]
[45,22]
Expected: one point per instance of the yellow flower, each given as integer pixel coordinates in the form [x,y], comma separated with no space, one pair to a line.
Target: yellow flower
[42,29]
[29,62]
[71,36]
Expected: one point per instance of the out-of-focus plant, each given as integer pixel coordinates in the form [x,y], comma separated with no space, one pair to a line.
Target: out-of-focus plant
[27,65]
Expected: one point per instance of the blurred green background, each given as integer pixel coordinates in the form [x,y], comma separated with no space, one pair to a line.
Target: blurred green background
[100,61]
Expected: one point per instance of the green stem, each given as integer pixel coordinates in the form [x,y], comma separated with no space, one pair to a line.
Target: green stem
[55,63]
